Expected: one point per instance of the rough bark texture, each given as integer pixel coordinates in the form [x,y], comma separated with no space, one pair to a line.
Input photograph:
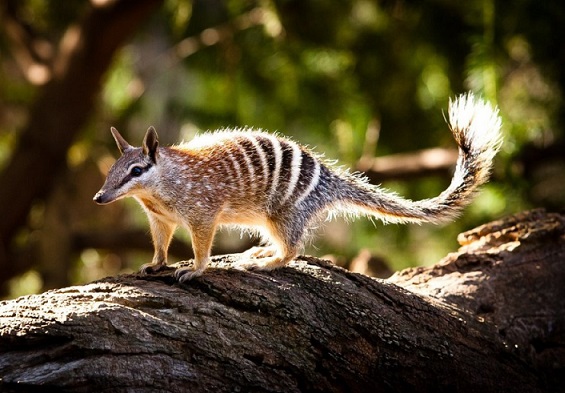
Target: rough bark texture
[511,273]
[488,318]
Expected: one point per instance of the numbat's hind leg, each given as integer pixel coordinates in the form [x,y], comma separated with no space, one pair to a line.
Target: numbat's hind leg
[286,242]
[259,252]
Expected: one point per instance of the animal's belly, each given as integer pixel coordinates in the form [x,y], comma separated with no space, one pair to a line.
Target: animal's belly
[246,217]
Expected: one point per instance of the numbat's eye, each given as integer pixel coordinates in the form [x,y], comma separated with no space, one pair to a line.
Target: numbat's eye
[136,171]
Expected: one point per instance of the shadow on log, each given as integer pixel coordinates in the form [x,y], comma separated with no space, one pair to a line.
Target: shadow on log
[488,318]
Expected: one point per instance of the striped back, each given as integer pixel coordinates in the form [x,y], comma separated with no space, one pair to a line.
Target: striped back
[266,169]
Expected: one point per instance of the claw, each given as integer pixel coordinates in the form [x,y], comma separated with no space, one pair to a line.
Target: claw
[151,268]
[262,264]
[244,265]
[185,274]
[260,252]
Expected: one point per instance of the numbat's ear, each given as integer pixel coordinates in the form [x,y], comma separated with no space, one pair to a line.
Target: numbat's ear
[123,146]
[150,144]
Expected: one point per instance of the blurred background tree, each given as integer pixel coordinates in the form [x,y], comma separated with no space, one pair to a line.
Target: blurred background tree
[356,79]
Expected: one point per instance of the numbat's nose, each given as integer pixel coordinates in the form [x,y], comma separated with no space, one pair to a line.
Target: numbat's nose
[100,198]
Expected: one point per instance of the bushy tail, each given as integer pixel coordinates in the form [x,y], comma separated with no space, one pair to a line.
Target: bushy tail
[476,128]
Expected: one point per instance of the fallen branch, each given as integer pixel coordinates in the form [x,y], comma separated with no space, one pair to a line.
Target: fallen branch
[310,326]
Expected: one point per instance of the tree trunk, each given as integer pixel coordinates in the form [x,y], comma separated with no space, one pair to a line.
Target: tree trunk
[488,318]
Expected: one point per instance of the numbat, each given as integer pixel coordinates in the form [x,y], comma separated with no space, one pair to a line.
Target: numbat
[274,186]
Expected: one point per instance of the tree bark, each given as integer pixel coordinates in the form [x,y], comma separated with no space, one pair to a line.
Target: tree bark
[511,274]
[487,318]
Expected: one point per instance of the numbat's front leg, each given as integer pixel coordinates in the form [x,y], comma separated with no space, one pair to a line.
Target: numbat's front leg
[202,236]
[161,233]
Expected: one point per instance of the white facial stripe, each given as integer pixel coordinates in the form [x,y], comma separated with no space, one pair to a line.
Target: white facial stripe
[294,171]
[313,183]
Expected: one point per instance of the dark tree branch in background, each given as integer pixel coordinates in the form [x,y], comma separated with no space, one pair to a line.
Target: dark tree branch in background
[32,53]
[488,318]
[409,165]
[61,109]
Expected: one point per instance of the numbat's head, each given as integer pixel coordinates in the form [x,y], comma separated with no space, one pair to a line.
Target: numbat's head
[132,170]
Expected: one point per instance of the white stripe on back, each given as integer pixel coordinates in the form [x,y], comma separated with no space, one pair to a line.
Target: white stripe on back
[277,151]
[236,166]
[262,156]
[294,171]
[251,183]
[313,182]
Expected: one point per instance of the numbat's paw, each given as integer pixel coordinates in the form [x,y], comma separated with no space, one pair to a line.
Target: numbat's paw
[150,268]
[185,274]
[263,264]
[259,252]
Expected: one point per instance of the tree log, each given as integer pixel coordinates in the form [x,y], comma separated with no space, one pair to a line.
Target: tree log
[487,318]
[511,273]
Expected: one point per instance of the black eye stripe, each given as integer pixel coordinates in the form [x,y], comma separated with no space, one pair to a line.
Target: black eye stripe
[130,175]
[136,171]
